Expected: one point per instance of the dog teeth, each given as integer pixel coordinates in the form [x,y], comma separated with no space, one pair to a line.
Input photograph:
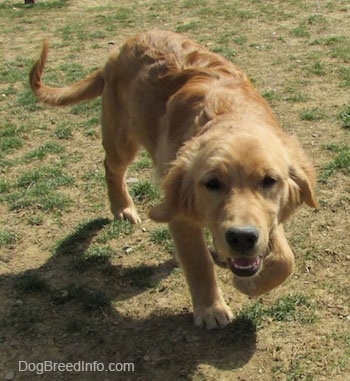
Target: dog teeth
[244,265]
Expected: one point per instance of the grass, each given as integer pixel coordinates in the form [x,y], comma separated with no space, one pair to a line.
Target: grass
[318,68]
[340,163]
[93,257]
[64,130]
[37,189]
[41,152]
[10,139]
[116,229]
[295,95]
[162,237]
[344,117]
[30,282]
[143,162]
[144,191]
[293,307]
[345,75]
[141,276]
[7,238]
[301,31]
[65,275]
[90,299]
[312,114]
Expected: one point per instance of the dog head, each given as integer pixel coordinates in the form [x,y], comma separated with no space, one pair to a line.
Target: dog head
[241,186]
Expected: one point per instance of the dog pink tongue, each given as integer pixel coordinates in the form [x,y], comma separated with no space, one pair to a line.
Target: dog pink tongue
[244,262]
[244,266]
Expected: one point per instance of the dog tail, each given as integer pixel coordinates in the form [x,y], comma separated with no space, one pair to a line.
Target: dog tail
[88,88]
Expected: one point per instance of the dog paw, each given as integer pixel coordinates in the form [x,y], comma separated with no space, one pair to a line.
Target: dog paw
[216,316]
[128,214]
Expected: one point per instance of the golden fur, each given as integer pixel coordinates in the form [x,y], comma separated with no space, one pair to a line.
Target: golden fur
[223,159]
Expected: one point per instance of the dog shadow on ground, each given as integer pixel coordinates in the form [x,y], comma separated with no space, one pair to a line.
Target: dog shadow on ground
[58,315]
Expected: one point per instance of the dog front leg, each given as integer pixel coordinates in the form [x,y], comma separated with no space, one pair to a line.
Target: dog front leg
[210,309]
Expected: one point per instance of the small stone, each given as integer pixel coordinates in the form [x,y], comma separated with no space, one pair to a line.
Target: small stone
[128,250]
[10,375]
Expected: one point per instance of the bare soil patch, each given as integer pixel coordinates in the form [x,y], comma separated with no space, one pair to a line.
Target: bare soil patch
[76,286]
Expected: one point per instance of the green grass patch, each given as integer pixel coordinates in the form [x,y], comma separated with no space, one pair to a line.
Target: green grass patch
[10,139]
[141,277]
[116,229]
[4,186]
[28,101]
[96,177]
[50,176]
[86,109]
[289,308]
[37,189]
[183,28]
[63,130]
[8,144]
[15,70]
[345,74]
[344,117]
[7,238]
[295,95]
[224,51]
[341,162]
[318,68]
[41,152]
[312,114]
[144,191]
[300,31]
[271,95]
[329,41]
[35,220]
[92,257]
[162,237]
[119,17]
[144,161]
[30,282]
[91,299]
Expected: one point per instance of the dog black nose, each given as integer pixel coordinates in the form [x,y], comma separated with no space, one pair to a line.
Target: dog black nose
[242,238]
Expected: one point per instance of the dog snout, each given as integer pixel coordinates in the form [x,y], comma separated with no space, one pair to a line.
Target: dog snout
[242,238]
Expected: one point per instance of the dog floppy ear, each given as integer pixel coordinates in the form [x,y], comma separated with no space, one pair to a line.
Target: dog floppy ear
[178,190]
[178,199]
[301,184]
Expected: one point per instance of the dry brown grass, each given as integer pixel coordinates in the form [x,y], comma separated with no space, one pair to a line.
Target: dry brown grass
[75,286]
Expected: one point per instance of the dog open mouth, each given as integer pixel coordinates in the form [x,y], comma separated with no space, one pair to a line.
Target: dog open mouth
[245,266]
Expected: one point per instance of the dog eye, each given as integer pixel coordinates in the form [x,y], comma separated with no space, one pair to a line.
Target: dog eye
[213,184]
[268,182]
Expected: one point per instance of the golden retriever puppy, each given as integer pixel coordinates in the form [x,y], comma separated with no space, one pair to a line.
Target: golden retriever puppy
[224,162]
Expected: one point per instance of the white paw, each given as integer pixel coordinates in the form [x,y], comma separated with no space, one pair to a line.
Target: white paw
[219,315]
[129,214]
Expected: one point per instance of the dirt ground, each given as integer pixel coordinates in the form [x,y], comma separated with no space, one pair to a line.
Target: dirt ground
[77,288]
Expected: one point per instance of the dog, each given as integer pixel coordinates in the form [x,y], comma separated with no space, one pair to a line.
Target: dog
[222,159]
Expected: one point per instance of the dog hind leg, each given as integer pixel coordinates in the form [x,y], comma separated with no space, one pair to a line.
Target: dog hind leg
[120,149]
